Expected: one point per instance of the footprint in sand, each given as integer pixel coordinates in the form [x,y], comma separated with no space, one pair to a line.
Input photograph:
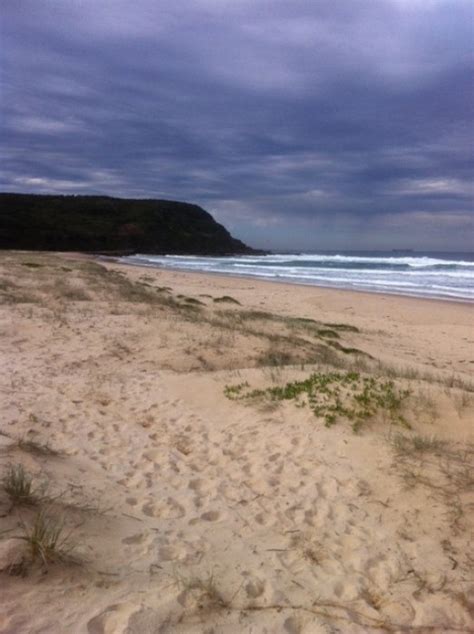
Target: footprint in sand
[293,625]
[134,539]
[211,516]
[153,455]
[114,618]
[168,510]
[198,485]
[172,553]
[264,519]
[350,589]
[254,588]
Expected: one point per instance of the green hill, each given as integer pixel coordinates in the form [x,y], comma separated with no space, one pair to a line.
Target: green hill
[111,225]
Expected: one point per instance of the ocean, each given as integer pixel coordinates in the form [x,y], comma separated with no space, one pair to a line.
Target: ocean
[448,276]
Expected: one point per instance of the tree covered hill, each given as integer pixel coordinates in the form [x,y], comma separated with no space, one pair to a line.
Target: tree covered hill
[111,225]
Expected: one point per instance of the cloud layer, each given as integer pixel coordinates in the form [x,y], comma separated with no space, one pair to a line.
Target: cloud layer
[298,124]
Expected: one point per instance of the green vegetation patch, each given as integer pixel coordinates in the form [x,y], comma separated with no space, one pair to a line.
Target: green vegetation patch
[32,265]
[101,224]
[343,327]
[412,445]
[226,299]
[11,293]
[47,540]
[304,320]
[70,292]
[326,332]
[346,350]
[275,358]
[36,448]
[333,396]
[20,486]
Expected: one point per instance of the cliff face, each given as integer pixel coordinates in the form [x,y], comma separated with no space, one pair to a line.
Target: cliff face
[111,225]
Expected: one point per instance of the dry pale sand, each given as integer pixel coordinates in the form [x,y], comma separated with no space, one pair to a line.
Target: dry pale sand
[190,512]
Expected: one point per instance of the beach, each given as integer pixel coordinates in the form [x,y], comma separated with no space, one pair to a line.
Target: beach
[434,275]
[227,455]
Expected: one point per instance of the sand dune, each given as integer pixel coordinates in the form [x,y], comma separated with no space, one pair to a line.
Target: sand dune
[191,512]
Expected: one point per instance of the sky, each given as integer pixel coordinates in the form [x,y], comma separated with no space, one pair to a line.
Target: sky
[299,124]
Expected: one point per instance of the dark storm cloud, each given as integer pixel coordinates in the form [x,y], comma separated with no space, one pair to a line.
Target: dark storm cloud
[297,123]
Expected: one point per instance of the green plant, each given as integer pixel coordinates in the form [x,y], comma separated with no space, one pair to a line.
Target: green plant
[11,293]
[47,540]
[335,395]
[408,445]
[346,350]
[226,299]
[343,327]
[304,320]
[462,400]
[326,332]
[206,592]
[67,291]
[275,358]
[234,391]
[19,487]
[36,448]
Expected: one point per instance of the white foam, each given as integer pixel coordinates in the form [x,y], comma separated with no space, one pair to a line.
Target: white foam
[423,276]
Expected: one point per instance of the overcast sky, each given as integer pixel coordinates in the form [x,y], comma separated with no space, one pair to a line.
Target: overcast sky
[303,124]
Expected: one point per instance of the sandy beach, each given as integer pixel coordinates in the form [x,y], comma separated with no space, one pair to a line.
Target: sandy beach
[227,455]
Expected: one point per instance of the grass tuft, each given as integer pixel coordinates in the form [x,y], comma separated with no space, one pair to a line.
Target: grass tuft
[346,350]
[47,540]
[32,265]
[11,293]
[206,593]
[72,293]
[36,448]
[19,486]
[409,445]
[226,299]
[276,358]
[343,327]
[326,332]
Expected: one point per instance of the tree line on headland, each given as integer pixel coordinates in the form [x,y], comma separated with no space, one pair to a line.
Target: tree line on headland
[102,224]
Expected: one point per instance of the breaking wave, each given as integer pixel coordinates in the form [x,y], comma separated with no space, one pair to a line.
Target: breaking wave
[446,277]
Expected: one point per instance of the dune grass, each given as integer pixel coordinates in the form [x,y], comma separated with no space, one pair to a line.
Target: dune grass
[226,299]
[416,445]
[20,487]
[47,540]
[37,448]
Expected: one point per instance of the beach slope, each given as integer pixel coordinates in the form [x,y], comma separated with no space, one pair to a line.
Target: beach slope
[192,453]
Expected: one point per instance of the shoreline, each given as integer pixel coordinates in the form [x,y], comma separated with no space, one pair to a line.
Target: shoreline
[447,300]
[456,300]
[439,330]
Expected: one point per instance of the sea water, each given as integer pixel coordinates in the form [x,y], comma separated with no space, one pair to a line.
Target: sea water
[438,275]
